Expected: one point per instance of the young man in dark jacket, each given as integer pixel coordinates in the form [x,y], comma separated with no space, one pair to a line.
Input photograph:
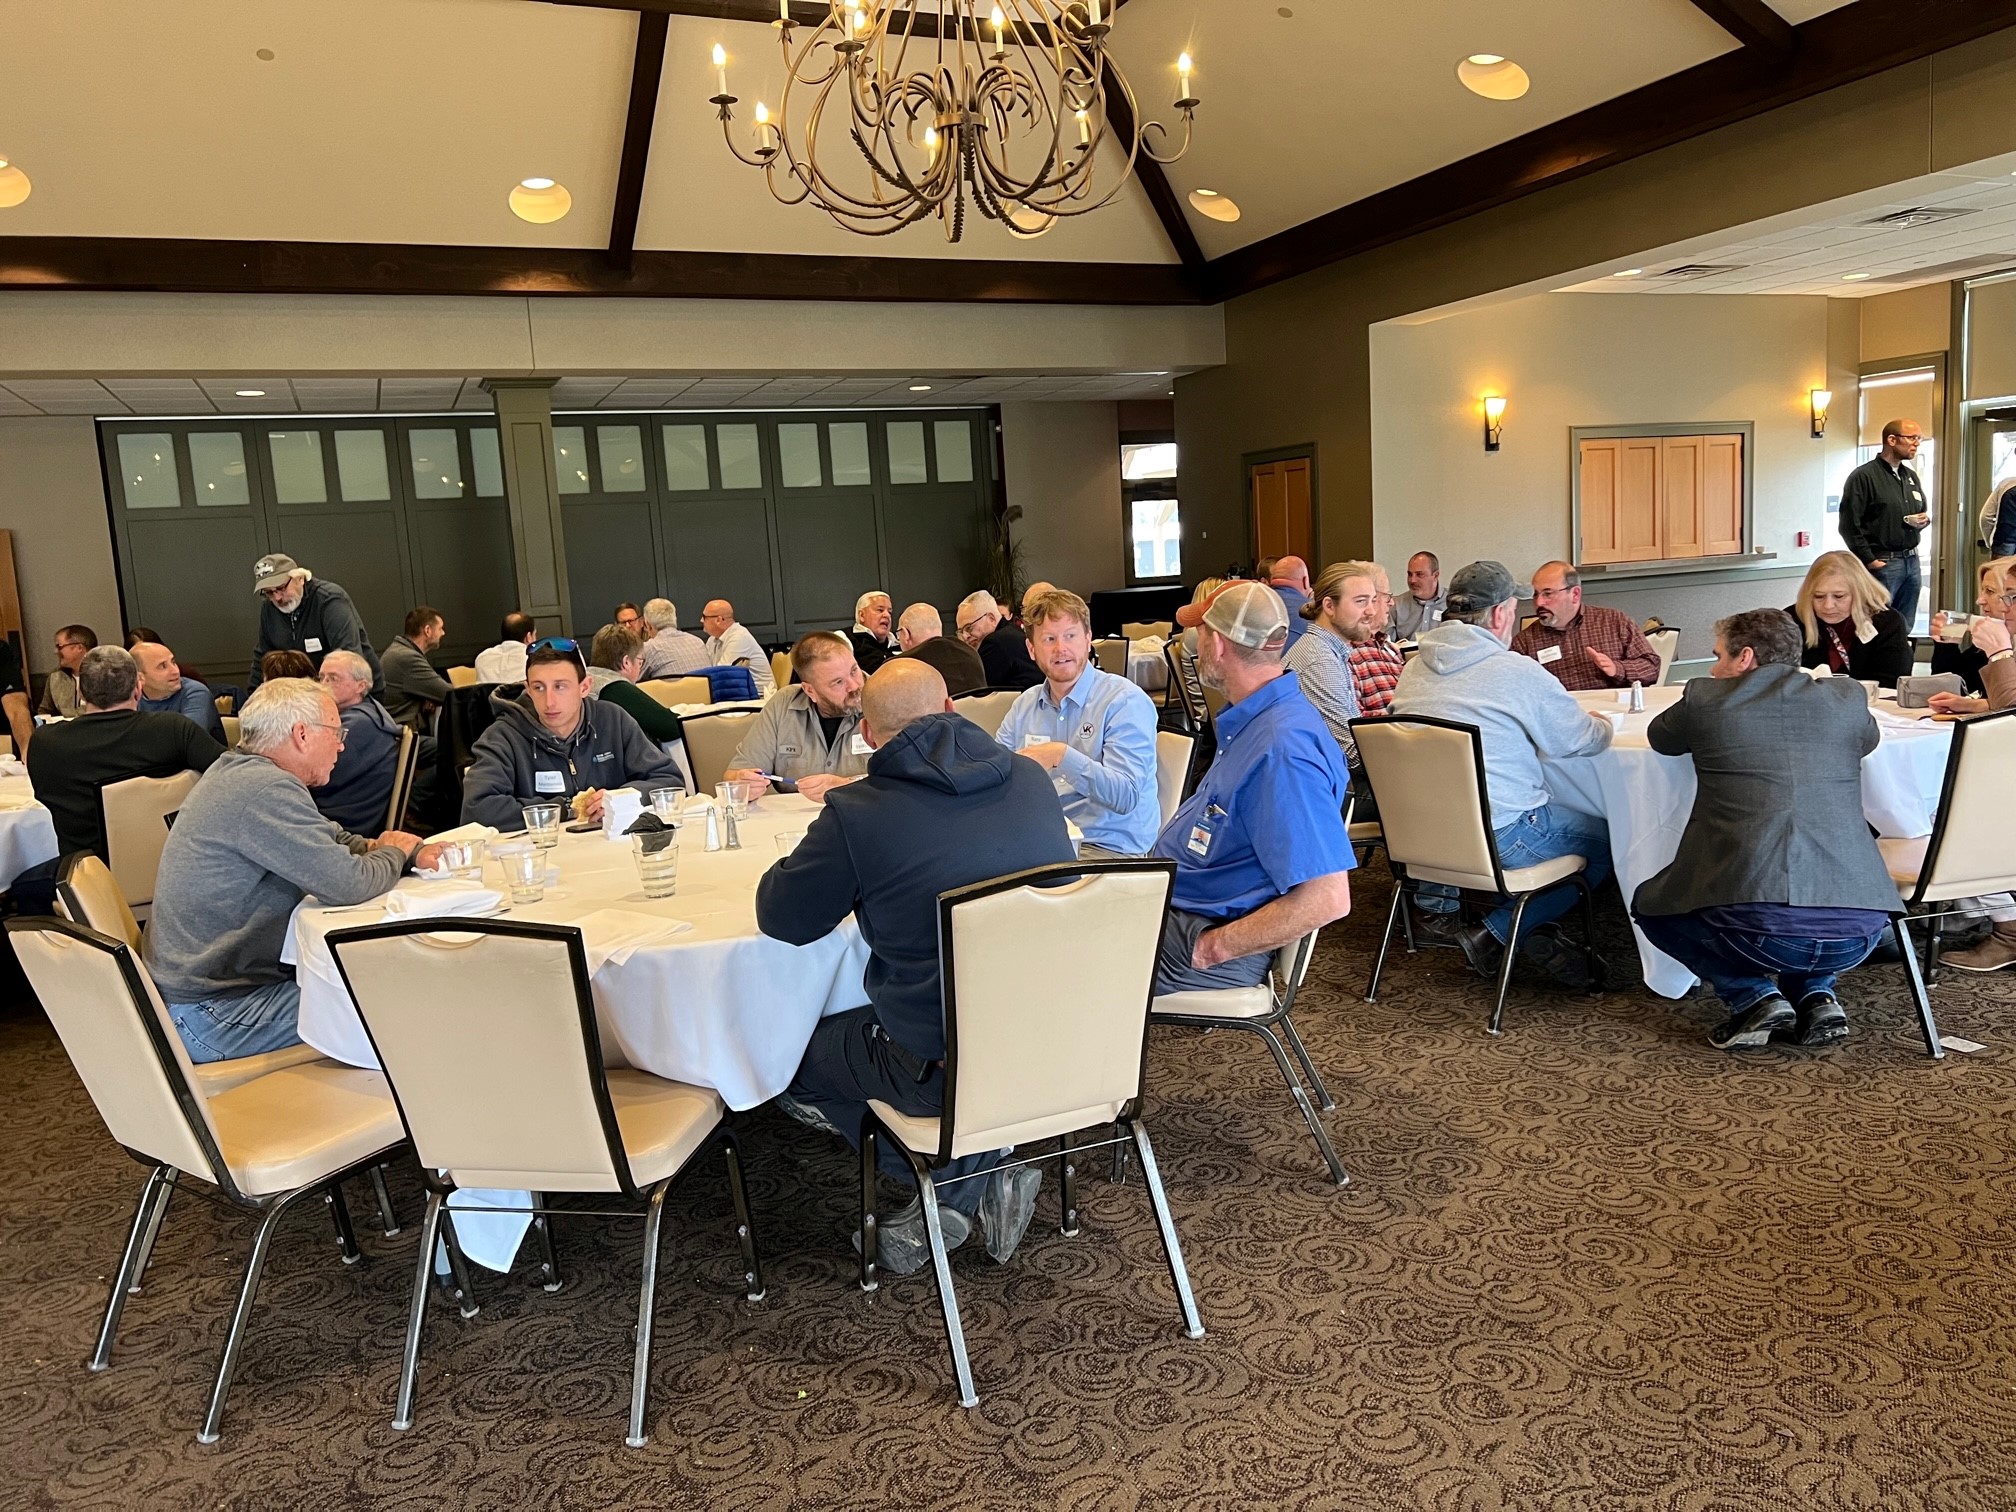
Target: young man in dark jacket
[941,806]
[553,741]
[301,612]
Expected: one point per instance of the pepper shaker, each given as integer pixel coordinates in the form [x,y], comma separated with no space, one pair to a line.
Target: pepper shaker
[734,839]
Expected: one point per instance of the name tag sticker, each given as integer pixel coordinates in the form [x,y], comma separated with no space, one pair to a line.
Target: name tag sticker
[312,645]
[1548,654]
[787,750]
[1917,495]
[550,782]
[859,745]
[1031,739]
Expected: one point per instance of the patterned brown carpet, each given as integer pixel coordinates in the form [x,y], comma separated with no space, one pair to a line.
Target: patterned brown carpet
[1595,1264]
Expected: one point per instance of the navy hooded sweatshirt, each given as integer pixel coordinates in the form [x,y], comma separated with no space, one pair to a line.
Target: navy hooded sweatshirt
[517,760]
[942,806]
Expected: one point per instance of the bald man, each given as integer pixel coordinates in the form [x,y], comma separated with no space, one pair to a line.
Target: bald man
[1032,593]
[1289,577]
[941,806]
[921,634]
[729,645]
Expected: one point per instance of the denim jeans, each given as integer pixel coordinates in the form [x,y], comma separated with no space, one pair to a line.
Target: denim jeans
[1745,967]
[1546,834]
[1899,573]
[252,1023]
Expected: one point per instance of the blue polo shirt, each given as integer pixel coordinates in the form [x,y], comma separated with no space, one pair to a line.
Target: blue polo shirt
[1268,816]
[1106,780]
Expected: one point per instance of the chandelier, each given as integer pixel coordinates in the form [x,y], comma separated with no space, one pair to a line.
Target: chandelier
[895,110]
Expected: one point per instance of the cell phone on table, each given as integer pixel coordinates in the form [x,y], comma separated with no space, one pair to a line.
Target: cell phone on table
[584,827]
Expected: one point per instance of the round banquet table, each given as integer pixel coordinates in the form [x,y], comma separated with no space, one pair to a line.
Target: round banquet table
[1645,798]
[27,831]
[1147,667]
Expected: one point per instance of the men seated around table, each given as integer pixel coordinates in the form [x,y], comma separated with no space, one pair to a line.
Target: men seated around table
[414,689]
[1982,657]
[874,640]
[1260,850]
[941,806]
[1778,884]
[1091,731]
[668,650]
[1340,608]
[730,645]
[505,661]
[1849,626]
[552,743]
[921,634]
[301,612]
[164,690]
[1004,650]
[1420,608]
[60,697]
[631,618]
[809,734]
[1586,646]
[1465,672]
[1289,578]
[615,662]
[359,788]
[247,845]
[1376,662]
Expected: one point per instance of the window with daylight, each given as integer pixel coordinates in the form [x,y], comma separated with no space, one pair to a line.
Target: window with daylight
[1154,520]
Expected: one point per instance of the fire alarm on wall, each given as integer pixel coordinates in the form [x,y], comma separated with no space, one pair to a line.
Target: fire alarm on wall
[1805,538]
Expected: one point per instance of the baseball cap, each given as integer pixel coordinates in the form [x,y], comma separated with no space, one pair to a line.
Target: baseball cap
[1247,613]
[1483,585]
[272,572]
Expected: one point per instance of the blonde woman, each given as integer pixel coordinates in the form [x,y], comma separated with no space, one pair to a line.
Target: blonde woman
[1985,661]
[1849,625]
[1203,594]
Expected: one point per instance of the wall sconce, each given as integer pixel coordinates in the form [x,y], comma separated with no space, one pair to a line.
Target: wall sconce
[1820,398]
[1494,420]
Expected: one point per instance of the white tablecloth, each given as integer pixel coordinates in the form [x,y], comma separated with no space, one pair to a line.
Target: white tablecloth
[1646,798]
[27,831]
[1147,667]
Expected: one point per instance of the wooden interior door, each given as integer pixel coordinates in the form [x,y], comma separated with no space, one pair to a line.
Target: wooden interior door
[1281,504]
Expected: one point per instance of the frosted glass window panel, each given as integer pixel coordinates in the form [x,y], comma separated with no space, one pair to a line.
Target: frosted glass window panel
[147,471]
[621,448]
[906,452]
[955,450]
[570,458]
[488,463]
[848,442]
[437,463]
[741,459]
[798,456]
[217,467]
[297,467]
[686,458]
[361,474]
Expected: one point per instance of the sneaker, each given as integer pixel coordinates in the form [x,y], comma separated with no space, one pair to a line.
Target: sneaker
[1567,964]
[1992,954]
[1006,1207]
[1822,1020]
[1752,1030]
[903,1244]
[1481,949]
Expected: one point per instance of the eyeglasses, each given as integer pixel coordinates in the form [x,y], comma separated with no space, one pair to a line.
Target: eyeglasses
[342,731]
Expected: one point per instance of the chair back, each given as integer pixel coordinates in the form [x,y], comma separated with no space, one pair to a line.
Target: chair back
[487,1035]
[679,690]
[119,1037]
[136,827]
[1173,753]
[711,740]
[1185,686]
[1110,653]
[987,707]
[1667,643]
[1433,807]
[230,723]
[1150,630]
[1031,1056]
[402,778]
[1968,854]
[225,704]
[461,677]
[780,668]
[86,894]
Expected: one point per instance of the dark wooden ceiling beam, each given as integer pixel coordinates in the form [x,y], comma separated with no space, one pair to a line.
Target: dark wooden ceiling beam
[647,71]
[1754,24]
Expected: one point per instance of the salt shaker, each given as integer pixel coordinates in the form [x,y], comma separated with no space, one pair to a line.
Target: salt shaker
[1637,698]
[734,840]
[713,827]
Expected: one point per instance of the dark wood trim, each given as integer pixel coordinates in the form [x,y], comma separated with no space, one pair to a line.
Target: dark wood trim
[1754,24]
[267,267]
[647,70]
[1833,49]
[764,12]
[1154,182]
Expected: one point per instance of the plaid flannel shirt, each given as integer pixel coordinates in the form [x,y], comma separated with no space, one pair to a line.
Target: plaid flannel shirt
[1375,666]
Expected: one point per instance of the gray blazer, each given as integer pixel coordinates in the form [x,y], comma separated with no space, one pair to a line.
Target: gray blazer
[1778,815]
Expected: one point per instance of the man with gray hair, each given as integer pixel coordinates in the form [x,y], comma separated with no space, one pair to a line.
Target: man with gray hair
[874,642]
[668,650]
[247,846]
[921,634]
[1004,649]
[359,788]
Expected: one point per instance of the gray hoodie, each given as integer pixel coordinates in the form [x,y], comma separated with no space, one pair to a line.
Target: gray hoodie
[519,761]
[1465,673]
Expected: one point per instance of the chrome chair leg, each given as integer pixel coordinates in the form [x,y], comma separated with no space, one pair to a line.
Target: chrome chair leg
[549,1260]
[248,1293]
[1302,1103]
[1385,942]
[745,1231]
[388,1218]
[647,1299]
[1505,967]
[941,1266]
[1193,1326]
[1118,1175]
[463,1288]
[871,1235]
[1323,1098]
[153,1233]
[1916,982]
[416,1314]
[153,1196]
[1068,1185]
[339,1212]
[1596,981]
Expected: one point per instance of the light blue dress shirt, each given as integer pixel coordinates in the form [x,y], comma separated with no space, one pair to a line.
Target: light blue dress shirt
[1106,780]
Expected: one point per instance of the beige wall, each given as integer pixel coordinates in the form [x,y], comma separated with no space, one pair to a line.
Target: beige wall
[52,497]
[1062,465]
[1910,323]
[1991,342]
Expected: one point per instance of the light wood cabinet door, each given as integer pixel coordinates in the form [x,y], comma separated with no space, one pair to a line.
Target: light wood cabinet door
[1600,488]
[1721,495]
[1680,495]
[1660,498]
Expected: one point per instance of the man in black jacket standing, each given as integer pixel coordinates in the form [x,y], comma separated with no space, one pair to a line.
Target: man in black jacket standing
[301,612]
[1883,511]
[942,806]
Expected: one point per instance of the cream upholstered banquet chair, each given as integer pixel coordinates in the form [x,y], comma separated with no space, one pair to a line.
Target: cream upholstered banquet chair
[711,740]
[403,763]
[673,691]
[230,723]
[986,707]
[1149,630]
[1024,1066]
[780,669]
[264,1144]
[1435,819]
[137,814]
[489,1039]
[1173,756]
[1665,642]
[461,677]
[1111,653]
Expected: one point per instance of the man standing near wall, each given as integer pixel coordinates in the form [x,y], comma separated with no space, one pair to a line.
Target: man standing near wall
[1883,513]
[301,612]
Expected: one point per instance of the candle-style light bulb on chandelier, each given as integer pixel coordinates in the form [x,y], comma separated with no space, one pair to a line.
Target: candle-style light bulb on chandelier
[895,110]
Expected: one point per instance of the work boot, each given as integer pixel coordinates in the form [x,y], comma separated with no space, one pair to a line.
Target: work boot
[1753,1028]
[1992,954]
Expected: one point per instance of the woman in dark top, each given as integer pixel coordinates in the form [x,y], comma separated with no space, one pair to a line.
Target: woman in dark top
[1848,625]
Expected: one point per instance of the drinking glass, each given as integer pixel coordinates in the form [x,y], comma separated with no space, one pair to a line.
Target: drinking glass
[657,857]
[524,871]
[464,858]
[665,804]
[542,823]
[788,841]
[733,796]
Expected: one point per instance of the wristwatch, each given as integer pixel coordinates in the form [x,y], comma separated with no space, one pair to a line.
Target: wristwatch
[2000,654]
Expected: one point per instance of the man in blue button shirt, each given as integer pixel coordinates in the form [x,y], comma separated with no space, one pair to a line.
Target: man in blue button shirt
[1260,850]
[1093,732]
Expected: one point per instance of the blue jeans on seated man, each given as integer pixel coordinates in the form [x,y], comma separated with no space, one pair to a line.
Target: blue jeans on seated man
[1745,967]
[1900,574]
[1543,834]
[852,1059]
[250,1023]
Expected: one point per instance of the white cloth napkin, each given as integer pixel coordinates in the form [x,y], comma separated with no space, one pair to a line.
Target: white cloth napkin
[464,832]
[443,900]
[12,766]
[612,934]
[14,802]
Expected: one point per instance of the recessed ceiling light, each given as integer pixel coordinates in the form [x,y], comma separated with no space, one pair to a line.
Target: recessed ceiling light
[540,201]
[1284,13]
[250,393]
[1493,77]
[920,388]
[1628,273]
[14,185]
[1209,202]
[264,55]
[1853,277]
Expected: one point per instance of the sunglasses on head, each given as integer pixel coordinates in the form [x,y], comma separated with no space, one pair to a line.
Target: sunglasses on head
[556,643]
